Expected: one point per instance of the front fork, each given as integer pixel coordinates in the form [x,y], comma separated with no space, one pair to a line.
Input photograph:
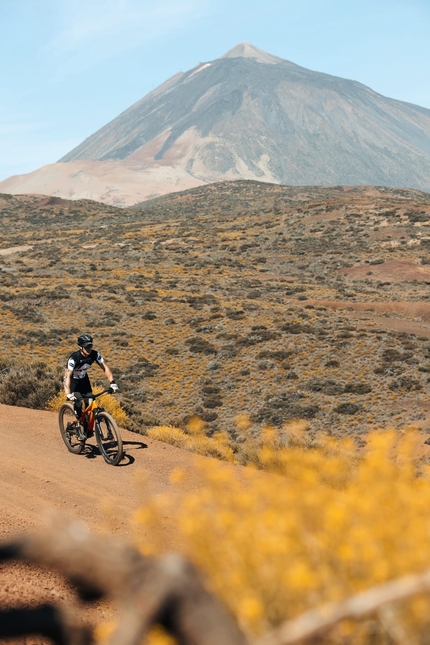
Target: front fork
[93,419]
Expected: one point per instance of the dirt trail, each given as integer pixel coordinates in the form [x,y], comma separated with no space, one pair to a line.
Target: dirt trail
[38,474]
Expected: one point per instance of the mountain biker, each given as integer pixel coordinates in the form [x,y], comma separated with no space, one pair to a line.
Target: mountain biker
[76,382]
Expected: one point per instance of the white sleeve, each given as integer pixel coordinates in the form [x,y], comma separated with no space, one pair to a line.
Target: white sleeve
[70,364]
[99,358]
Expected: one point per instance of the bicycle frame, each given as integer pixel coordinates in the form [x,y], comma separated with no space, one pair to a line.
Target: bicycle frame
[88,422]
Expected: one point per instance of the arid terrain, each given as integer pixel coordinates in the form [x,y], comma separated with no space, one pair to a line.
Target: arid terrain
[239,298]
[230,299]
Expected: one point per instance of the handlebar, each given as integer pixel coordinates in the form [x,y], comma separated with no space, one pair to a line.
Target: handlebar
[95,396]
[107,391]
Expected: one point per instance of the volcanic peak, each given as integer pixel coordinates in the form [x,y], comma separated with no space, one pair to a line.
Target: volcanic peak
[246,50]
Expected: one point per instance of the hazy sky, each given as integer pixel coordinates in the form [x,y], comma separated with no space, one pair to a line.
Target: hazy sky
[67,67]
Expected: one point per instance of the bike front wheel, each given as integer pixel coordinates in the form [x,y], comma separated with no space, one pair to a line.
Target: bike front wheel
[67,423]
[109,439]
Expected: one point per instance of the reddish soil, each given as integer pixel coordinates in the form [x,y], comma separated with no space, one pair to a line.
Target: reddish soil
[394,271]
[39,476]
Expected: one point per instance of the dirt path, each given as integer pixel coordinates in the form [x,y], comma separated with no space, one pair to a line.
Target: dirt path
[39,475]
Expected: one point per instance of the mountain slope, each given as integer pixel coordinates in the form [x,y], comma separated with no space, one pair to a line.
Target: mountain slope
[247,115]
[261,117]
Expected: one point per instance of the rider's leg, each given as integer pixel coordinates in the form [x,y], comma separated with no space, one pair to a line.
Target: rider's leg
[80,387]
[77,405]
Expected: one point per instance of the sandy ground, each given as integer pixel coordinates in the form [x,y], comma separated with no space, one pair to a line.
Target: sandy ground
[39,476]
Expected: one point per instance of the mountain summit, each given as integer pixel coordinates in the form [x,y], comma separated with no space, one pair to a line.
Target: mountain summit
[245,50]
[247,115]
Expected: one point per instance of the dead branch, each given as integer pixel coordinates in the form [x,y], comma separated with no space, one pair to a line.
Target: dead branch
[166,590]
[317,621]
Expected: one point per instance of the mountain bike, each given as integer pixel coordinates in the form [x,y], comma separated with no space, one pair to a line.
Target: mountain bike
[93,420]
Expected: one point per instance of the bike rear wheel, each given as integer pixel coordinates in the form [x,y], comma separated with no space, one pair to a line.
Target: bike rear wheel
[67,423]
[109,439]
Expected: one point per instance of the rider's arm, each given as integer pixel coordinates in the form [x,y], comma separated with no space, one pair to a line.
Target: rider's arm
[105,367]
[67,384]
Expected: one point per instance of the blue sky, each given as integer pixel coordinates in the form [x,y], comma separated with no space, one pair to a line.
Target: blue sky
[67,67]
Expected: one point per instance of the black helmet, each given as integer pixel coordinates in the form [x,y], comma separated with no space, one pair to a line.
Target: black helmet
[85,340]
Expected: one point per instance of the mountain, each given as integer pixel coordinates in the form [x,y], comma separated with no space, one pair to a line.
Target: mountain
[246,115]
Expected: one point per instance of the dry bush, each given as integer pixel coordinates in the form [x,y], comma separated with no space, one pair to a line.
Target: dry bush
[29,385]
[261,450]
[196,442]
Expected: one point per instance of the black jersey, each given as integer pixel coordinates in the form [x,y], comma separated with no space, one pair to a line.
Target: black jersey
[80,364]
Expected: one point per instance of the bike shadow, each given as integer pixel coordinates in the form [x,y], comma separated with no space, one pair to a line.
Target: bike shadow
[138,444]
[92,452]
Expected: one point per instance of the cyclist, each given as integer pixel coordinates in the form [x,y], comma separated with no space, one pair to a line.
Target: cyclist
[76,382]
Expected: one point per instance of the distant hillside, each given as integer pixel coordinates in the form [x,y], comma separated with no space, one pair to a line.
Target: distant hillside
[235,298]
[246,115]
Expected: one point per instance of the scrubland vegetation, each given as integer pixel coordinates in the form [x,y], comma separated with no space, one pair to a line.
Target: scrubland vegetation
[276,302]
[227,313]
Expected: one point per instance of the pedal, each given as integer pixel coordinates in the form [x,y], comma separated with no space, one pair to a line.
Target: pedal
[79,431]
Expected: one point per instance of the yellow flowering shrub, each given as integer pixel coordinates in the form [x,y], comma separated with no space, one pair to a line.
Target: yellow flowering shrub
[197,442]
[324,524]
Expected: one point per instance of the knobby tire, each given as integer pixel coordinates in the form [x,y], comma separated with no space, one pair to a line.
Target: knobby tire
[111,449]
[67,423]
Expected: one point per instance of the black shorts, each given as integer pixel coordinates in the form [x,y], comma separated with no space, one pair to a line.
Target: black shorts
[81,385]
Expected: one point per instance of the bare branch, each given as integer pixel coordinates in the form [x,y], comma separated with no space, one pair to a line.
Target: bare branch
[166,590]
[316,621]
